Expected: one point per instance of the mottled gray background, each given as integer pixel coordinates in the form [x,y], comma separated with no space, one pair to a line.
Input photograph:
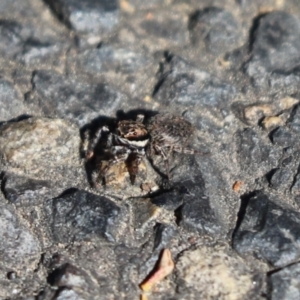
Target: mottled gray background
[231,219]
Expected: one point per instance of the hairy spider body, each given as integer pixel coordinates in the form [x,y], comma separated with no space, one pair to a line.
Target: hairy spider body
[169,133]
[169,130]
[127,145]
[132,140]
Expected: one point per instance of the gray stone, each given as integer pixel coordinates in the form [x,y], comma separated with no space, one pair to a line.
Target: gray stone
[111,59]
[296,185]
[145,4]
[294,120]
[67,294]
[268,231]
[216,28]
[284,283]
[127,69]
[12,37]
[232,71]
[282,178]
[79,215]
[87,16]
[255,155]
[220,269]
[168,27]
[145,214]
[23,190]
[170,200]
[54,94]
[283,137]
[11,101]
[163,236]
[183,84]
[35,52]
[68,275]
[19,246]
[235,59]
[275,56]
[38,145]
[27,46]
[198,213]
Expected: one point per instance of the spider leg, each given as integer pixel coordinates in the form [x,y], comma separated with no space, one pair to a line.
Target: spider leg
[133,161]
[180,149]
[132,164]
[165,156]
[119,153]
[85,142]
[89,151]
[140,118]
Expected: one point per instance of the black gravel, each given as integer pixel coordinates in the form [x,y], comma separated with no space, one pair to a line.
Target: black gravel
[229,213]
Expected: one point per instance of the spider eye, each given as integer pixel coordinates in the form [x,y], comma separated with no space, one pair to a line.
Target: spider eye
[135,133]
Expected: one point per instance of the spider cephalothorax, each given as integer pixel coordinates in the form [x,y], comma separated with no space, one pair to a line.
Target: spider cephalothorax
[133,130]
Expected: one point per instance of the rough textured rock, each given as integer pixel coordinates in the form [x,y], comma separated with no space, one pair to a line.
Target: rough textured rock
[219,276]
[131,5]
[268,231]
[283,137]
[169,27]
[181,85]
[12,102]
[214,28]
[35,144]
[163,236]
[79,215]
[195,204]
[295,188]
[66,97]
[284,283]
[130,69]
[108,58]
[23,190]
[171,199]
[275,54]
[145,213]
[294,120]
[230,68]
[73,280]
[27,44]
[187,86]
[197,213]
[255,155]
[88,16]
[20,249]
[283,177]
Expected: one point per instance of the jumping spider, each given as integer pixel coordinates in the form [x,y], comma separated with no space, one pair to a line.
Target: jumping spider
[127,144]
[162,134]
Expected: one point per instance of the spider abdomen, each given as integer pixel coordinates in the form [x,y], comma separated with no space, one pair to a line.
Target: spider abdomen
[169,129]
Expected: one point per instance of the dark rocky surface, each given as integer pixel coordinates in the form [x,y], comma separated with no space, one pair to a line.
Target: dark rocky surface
[283,282]
[275,55]
[229,216]
[23,190]
[216,29]
[87,16]
[79,215]
[268,231]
